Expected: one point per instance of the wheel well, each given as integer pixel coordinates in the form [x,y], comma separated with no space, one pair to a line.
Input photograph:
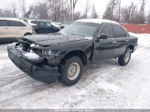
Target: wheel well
[78,53]
[27,34]
[131,47]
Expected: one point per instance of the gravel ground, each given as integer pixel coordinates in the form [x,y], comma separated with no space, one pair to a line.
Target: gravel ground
[103,85]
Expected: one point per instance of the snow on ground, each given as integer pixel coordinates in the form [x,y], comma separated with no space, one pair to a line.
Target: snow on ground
[103,85]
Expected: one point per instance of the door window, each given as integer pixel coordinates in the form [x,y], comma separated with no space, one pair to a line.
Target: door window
[119,31]
[3,23]
[43,24]
[16,24]
[107,29]
[49,25]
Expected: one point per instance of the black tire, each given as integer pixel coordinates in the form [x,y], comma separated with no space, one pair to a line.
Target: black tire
[124,59]
[65,78]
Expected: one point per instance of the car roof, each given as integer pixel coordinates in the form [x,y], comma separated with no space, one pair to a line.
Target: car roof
[14,19]
[97,21]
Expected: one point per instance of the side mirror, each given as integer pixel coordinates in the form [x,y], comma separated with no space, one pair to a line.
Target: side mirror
[102,36]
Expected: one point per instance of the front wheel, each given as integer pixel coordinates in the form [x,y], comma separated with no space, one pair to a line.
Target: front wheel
[71,71]
[125,58]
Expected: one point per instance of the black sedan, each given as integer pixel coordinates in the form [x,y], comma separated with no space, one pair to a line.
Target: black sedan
[45,27]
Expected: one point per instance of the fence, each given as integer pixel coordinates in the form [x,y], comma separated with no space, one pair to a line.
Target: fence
[137,28]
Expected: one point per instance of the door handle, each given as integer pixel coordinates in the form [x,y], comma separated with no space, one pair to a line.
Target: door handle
[114,42]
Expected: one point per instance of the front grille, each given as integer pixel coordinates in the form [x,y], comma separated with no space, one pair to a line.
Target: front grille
[26,47]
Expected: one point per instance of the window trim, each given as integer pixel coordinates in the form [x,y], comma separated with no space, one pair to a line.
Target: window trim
[103,24]
[9,23]
[121,28]
[6,22]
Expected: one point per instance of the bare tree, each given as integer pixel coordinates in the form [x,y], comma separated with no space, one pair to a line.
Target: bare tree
[94,13]
[129,14]
[25,12]
[14,10]
[119,11]
[113,10]
[23,9]
[109,10]
[141,16]
[132,15]
[6,13]
[149,18]
[58,9]
[39,11]
[87,8]
[77,15]
[72,4]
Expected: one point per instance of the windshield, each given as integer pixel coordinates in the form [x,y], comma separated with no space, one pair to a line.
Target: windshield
[83,29]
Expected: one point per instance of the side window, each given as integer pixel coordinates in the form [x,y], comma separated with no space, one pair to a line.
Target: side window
[49,25]
[16,24]
[3,23]
[119,31]
[43,24]
[107,29]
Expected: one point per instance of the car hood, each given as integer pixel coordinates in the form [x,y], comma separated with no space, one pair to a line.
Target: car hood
[51,39]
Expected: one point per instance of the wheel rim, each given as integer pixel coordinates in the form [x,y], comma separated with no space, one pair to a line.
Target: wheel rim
[73,71]
[127,56]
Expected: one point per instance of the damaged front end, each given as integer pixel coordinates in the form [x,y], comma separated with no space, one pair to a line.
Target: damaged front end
[30,60]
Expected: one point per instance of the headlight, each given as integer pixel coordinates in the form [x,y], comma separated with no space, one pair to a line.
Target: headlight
[50,52]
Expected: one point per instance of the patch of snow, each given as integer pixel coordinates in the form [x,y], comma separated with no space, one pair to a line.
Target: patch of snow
[32,56]
[103,86]
[143,40]
[89,38]
[97,21]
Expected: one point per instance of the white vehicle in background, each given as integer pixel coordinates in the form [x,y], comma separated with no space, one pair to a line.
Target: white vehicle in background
[14,28]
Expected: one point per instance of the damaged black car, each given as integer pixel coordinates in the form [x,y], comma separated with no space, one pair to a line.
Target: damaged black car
[64,54]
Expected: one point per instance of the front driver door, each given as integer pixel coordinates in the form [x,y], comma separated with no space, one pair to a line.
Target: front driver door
[105,48]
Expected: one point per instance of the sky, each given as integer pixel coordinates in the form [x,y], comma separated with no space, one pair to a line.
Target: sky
[100,5]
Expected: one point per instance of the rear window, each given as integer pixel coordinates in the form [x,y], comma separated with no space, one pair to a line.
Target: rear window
[16,24]
[119,31]
[42,24]
[3,23]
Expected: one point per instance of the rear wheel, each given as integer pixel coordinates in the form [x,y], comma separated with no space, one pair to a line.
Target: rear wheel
[125,58]
[71,71]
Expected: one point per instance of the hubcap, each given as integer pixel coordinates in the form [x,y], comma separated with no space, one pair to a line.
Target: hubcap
[127,56]
[73,71]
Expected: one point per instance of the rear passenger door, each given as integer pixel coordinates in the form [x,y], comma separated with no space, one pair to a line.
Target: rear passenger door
[4,29]
[121,38]
[17,29]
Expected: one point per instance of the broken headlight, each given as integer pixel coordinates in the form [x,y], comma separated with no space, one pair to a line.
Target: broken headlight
[50,52]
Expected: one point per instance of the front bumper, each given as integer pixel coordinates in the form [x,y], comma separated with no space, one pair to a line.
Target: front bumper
[42,73]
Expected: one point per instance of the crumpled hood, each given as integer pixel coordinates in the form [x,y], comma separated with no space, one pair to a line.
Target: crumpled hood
[51,39]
